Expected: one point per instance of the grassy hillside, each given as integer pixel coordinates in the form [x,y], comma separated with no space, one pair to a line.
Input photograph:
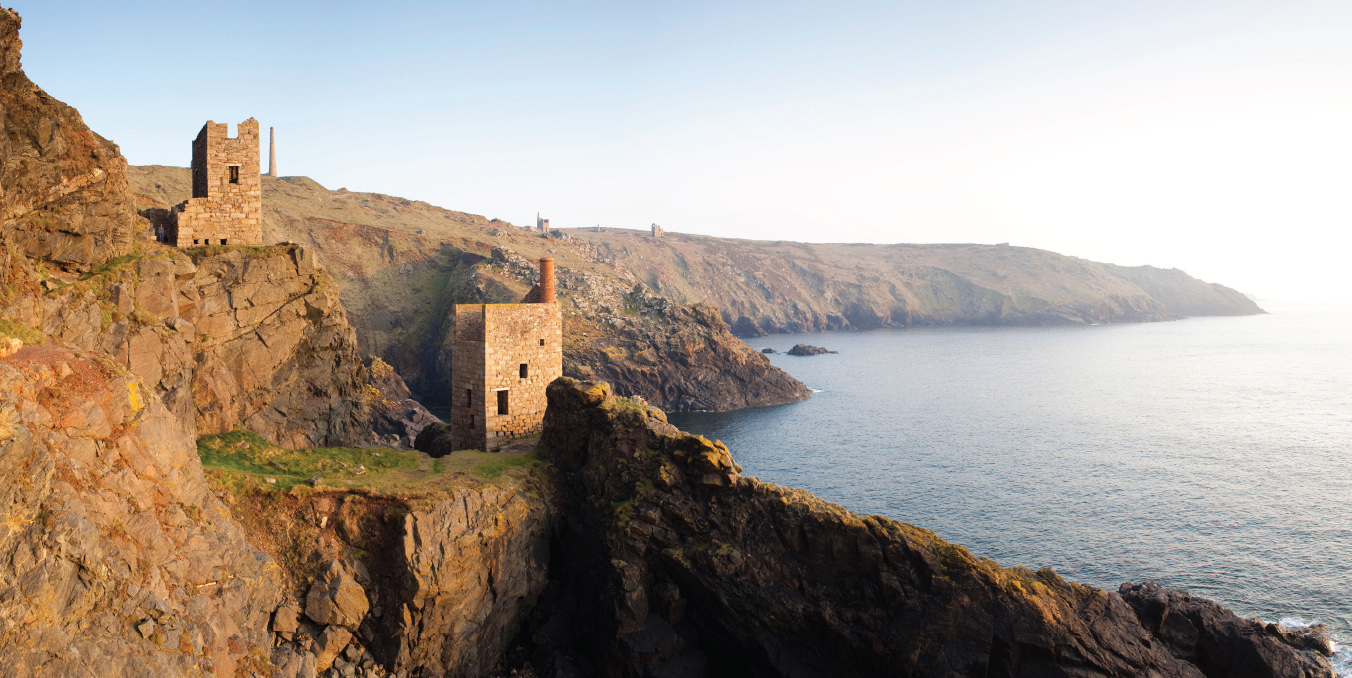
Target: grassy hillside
[401,264]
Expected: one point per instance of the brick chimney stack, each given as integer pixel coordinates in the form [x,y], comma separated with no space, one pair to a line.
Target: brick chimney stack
[272,153]
[546,281]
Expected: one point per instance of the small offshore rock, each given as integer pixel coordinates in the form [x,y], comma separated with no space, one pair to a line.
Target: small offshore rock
[767,349]
[808,349]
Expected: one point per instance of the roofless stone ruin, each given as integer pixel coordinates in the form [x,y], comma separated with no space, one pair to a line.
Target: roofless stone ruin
[226,207]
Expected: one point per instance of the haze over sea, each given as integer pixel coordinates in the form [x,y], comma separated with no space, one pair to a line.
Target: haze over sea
[1209,454]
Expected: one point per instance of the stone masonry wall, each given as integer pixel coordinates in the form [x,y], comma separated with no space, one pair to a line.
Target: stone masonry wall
[492,342]
[221,212]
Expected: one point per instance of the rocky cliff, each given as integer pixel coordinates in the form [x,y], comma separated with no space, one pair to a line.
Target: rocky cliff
[252,337]
[115,559]
[676,565]
[63,188]
[401,265]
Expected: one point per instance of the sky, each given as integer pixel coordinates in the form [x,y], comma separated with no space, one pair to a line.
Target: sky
[1215,137]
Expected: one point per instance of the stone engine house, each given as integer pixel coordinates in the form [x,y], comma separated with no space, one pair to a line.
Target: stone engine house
[504,355]
[226,207]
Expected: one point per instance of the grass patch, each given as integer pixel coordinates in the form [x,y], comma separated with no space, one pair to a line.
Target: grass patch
[242,461]
[500,463]
[20,331]
[246,453]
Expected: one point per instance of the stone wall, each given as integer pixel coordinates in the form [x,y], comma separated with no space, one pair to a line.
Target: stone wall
[227,204]
[492,343]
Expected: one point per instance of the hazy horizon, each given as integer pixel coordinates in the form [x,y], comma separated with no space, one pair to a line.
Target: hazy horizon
[1211,137]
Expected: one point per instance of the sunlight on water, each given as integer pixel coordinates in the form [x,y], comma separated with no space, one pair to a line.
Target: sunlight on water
[1207,454]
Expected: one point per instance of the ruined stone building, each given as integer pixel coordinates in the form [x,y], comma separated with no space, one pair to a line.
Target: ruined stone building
[541,225]
[226,207]
[504,355]
[657,231]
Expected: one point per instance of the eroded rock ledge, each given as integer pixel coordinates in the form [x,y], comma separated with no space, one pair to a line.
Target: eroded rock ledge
[676,564]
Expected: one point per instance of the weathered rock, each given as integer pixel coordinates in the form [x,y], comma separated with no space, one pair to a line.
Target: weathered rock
[768,350]
[776,582]
[393,410]
[808,349]
[115,558]
[1220,643]
[63,188]
[337,599]
[474,564]
[293,663]
[286,619]
[329,643]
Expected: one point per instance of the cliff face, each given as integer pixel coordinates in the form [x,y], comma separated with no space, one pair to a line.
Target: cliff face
[249,337]
[401,265]
[684,567]
[115,559]
[63,188]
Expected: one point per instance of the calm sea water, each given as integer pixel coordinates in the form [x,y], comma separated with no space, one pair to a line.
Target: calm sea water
[1210,454]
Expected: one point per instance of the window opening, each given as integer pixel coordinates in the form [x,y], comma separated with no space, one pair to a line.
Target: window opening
[471,421]
[502,401]
[194,241]
[234,174]
[222,241]
[542,342]
[469,397]
[524,370]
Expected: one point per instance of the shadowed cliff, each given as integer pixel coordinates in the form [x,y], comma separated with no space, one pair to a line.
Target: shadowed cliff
[672,563]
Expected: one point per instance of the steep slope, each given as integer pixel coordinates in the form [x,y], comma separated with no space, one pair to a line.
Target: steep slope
[115,558]
[63,188]
[401,265]
[252,337]
[675,564]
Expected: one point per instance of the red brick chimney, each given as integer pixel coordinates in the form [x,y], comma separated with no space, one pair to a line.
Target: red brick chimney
[547,281]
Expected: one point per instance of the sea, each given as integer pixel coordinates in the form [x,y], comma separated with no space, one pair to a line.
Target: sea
[1209,454]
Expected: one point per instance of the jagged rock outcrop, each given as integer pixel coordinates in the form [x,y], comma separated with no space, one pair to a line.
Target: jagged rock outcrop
[252,337]
[680,357]
[115,558]
[1203,633]
[275,353]
[63,188]
[679,564]
[397,419]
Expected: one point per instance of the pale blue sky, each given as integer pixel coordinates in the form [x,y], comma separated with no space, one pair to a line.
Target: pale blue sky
[1211,136]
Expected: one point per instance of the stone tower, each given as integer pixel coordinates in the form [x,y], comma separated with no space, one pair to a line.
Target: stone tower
[272,152]
[504,355]
[541,225]
[226,207]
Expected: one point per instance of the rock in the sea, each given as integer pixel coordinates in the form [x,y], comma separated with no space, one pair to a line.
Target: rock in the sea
[337,599]
[767,349]
[808,349]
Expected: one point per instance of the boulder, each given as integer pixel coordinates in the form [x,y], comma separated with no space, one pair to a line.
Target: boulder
[337,599]
[330,642]
[435,440]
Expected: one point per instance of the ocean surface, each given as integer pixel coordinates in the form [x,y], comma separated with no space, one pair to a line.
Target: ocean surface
[1209,454]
